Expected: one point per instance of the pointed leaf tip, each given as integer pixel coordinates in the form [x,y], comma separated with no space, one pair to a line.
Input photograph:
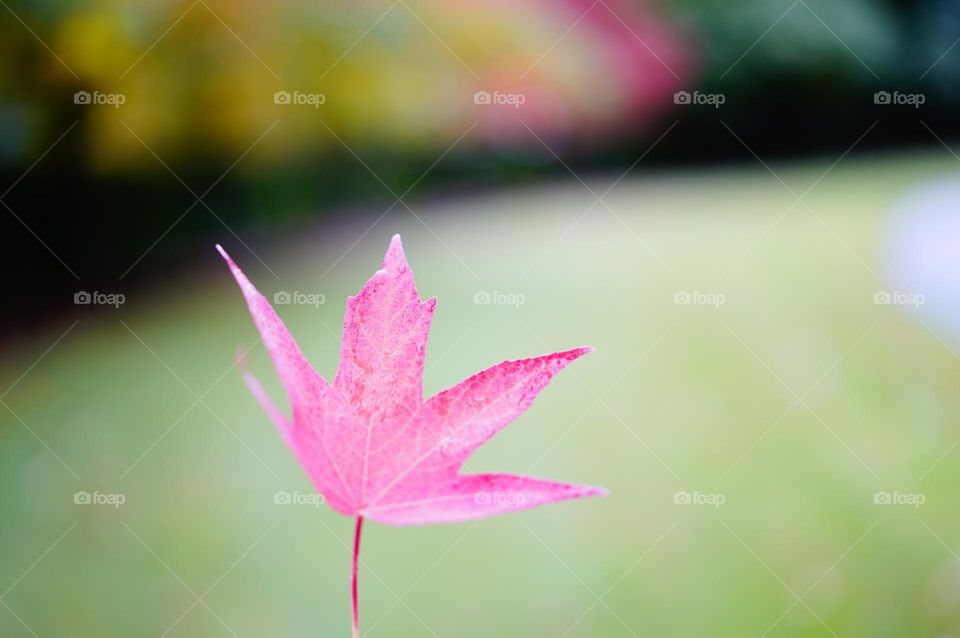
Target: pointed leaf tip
[224,254]
[248,289]
[575,353]
[395,260]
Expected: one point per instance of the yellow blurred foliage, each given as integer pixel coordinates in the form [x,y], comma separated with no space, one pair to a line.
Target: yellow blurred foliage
[203,77]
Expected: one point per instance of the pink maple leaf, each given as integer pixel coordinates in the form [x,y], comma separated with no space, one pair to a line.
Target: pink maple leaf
[370,443]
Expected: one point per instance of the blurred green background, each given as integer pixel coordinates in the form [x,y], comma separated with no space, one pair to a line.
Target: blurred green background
[778,440]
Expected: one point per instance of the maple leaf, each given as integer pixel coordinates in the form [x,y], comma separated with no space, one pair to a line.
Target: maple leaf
[369,441]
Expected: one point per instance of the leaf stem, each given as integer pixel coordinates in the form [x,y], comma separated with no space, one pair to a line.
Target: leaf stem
[353,579]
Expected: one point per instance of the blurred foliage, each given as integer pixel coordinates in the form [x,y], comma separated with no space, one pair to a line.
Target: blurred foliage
[800,75]
[755,41]
[199,77]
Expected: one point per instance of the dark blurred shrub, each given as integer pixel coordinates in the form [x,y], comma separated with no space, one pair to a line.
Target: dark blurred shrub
[800,75]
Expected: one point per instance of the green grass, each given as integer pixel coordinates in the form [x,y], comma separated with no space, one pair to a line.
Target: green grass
[675,398]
